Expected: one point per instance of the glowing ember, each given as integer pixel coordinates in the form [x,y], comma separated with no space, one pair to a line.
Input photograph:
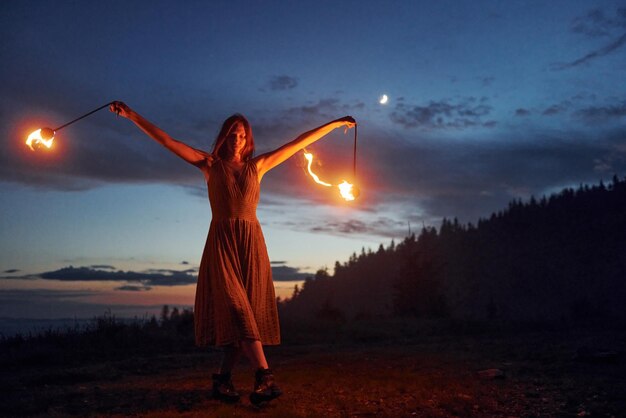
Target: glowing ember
[309,158]
[43,136]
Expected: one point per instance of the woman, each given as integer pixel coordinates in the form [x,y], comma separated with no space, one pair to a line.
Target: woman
[235,305]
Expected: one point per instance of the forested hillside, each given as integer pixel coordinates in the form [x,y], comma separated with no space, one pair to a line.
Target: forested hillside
[559,257]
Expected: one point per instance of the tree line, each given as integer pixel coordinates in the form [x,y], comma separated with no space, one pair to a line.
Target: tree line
[557,257]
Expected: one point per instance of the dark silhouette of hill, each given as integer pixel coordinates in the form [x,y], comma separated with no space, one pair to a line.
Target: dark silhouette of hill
[559,257]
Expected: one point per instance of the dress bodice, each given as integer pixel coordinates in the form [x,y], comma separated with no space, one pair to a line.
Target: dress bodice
[233,196]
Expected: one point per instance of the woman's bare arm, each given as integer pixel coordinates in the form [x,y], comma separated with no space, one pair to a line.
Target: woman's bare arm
[199,158]
[269,160]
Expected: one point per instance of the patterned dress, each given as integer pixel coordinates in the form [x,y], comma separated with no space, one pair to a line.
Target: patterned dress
[235,294]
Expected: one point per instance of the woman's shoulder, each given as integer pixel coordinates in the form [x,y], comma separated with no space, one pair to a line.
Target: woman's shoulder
[255,161]
[212,160]
[209,163]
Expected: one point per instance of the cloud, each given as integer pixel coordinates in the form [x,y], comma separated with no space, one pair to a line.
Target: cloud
[102,267]
[554,109]
[568,104]
[157,277]
[577,105]
[169,271]
[133,288]
[343,227]
[160,277]
[286,273]
[322,111]
[603,165]
[184,263]
[378,226]
[599,114]
[282,82]
[11,271]
[324,107]
[598,53]
[596,24]
[443,114]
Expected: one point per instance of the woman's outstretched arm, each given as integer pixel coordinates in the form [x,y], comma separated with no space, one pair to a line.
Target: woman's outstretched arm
[193,156]
[269,160]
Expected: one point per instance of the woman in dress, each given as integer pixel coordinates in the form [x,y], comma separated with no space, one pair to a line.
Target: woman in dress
[235,305]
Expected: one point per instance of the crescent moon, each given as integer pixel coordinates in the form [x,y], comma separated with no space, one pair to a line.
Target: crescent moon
[383,99]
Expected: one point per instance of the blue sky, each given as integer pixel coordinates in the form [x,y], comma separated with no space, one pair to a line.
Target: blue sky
[488,101]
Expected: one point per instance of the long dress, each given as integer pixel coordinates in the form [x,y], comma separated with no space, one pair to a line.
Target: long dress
[235,297]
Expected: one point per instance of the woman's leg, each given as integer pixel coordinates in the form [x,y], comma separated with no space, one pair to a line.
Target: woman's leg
[265,389]
[231,355]
[253,349]
[223,388]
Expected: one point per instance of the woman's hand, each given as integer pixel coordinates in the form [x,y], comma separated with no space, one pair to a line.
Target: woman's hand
[347,121]
[120,109]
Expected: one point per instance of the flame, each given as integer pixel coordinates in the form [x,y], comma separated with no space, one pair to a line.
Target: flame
[348,191]
[35,138]
[309,158]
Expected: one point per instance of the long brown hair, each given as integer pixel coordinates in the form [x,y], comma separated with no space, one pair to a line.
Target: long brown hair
[221,151]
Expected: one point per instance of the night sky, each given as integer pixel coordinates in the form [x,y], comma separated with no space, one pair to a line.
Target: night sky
[489,101]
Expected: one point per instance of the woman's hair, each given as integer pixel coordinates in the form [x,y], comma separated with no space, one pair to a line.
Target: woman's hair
[220,150]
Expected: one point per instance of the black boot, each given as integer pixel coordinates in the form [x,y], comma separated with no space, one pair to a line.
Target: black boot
[223,388]
[264,387]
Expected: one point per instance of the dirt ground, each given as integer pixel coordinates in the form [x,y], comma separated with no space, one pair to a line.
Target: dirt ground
[537,374]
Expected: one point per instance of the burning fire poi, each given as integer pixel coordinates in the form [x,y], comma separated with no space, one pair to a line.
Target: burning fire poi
[347,190]
[43,136]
